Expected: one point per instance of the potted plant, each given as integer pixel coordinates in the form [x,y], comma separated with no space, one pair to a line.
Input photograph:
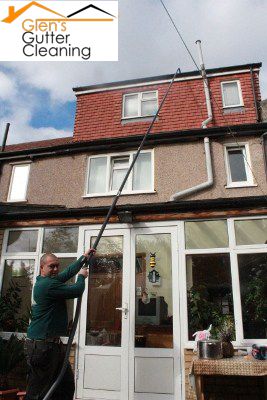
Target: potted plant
[11,354]
[226,335]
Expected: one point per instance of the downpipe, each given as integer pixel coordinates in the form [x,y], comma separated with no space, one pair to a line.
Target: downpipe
[203,185]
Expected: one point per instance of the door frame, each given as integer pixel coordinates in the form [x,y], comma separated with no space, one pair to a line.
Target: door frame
[130,231]
[122,350]
[157,352]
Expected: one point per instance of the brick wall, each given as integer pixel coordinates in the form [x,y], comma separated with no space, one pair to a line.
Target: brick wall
[189,393]
[98,115]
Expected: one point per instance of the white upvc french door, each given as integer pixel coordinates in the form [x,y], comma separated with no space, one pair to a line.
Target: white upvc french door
[129,332]
[155,366]
[102,358]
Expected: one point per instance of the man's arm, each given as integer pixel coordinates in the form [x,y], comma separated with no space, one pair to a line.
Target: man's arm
[70,271]
[59,290]
[73,268]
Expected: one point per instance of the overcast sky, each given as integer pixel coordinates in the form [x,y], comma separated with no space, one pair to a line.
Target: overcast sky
[37,97]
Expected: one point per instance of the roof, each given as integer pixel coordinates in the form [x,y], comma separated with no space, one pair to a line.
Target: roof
[104,86]
[37,144]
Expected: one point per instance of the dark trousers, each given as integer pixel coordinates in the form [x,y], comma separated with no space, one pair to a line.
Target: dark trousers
[44,364]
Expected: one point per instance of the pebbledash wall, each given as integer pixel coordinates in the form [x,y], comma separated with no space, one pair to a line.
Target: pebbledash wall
[99,111]
[68,185]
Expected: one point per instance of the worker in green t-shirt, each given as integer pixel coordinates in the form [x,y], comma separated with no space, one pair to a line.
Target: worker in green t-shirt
[49,321]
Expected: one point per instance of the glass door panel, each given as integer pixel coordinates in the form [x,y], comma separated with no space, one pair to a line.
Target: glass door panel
[103,327]
[153,291]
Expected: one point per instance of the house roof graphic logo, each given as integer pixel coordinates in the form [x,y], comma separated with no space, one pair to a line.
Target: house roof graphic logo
[13,15]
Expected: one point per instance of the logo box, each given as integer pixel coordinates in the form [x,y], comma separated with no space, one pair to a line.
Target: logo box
[58,31]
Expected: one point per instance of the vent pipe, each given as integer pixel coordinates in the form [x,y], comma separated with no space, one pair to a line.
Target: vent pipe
[5,137]
[206,86]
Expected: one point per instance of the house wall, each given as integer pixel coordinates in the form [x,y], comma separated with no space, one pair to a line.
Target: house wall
[98,115]
[61,180]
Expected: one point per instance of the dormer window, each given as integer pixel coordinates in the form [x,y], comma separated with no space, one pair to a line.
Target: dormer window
[231,94]
[137,105]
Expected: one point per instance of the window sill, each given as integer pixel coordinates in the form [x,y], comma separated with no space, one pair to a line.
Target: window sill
[17,201]
[240,186]
[147,118]
[233,109]
[114,194]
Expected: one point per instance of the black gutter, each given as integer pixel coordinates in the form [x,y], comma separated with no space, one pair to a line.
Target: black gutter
[164,77]
[128,142]
[237,203]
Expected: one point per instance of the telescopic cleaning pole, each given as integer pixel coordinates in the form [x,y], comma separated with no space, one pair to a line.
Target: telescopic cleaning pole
[86,260]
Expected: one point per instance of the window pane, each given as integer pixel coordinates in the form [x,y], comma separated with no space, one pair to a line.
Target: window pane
[253,287]
[60,240]
[103,327]
[97,175]
[19,182]
[253,231]
[237,165]
[131,105]
[209,292]
[206,234]
[149,95]
[15,299]
[22,241]
[153,302]
[149,107]
[231,94]
[120,162]
[65,262]
[142,172]
[117,178]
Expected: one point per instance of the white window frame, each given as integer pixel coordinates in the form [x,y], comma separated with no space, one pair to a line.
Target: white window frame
[126,191]
[241,102]
[244,147]
[36,256]
[233,250]
[14,165]
[139,100]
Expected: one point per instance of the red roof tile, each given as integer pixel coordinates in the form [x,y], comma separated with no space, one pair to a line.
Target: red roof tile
[39,144]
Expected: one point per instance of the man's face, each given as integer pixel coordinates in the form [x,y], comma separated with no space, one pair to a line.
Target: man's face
[50,267]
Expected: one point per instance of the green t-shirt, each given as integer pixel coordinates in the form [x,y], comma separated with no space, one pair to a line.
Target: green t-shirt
[49,311]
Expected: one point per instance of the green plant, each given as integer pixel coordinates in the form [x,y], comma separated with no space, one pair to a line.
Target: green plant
[11,354]
[227,329]
[255,302]
[10,307]
[203,311]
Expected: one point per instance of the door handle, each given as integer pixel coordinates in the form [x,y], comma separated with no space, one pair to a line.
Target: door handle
[124,310]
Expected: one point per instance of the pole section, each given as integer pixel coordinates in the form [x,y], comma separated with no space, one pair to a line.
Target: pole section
[85,261]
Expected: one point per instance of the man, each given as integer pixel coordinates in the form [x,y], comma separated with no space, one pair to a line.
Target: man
[49,320]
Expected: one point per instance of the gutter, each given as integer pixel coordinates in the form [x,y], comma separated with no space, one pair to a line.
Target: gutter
[147,208]
[129,142]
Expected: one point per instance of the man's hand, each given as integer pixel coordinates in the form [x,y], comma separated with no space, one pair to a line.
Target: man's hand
[88,252]
[83,272]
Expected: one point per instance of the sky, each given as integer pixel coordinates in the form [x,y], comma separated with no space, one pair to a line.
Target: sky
[37,97]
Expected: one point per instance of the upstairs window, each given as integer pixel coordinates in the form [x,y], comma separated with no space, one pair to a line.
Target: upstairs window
[238,166]
[143,104]
[231,94]
[106,173]
[19,182]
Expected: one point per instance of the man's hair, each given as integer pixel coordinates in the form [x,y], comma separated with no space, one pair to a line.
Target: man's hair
[44,257]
